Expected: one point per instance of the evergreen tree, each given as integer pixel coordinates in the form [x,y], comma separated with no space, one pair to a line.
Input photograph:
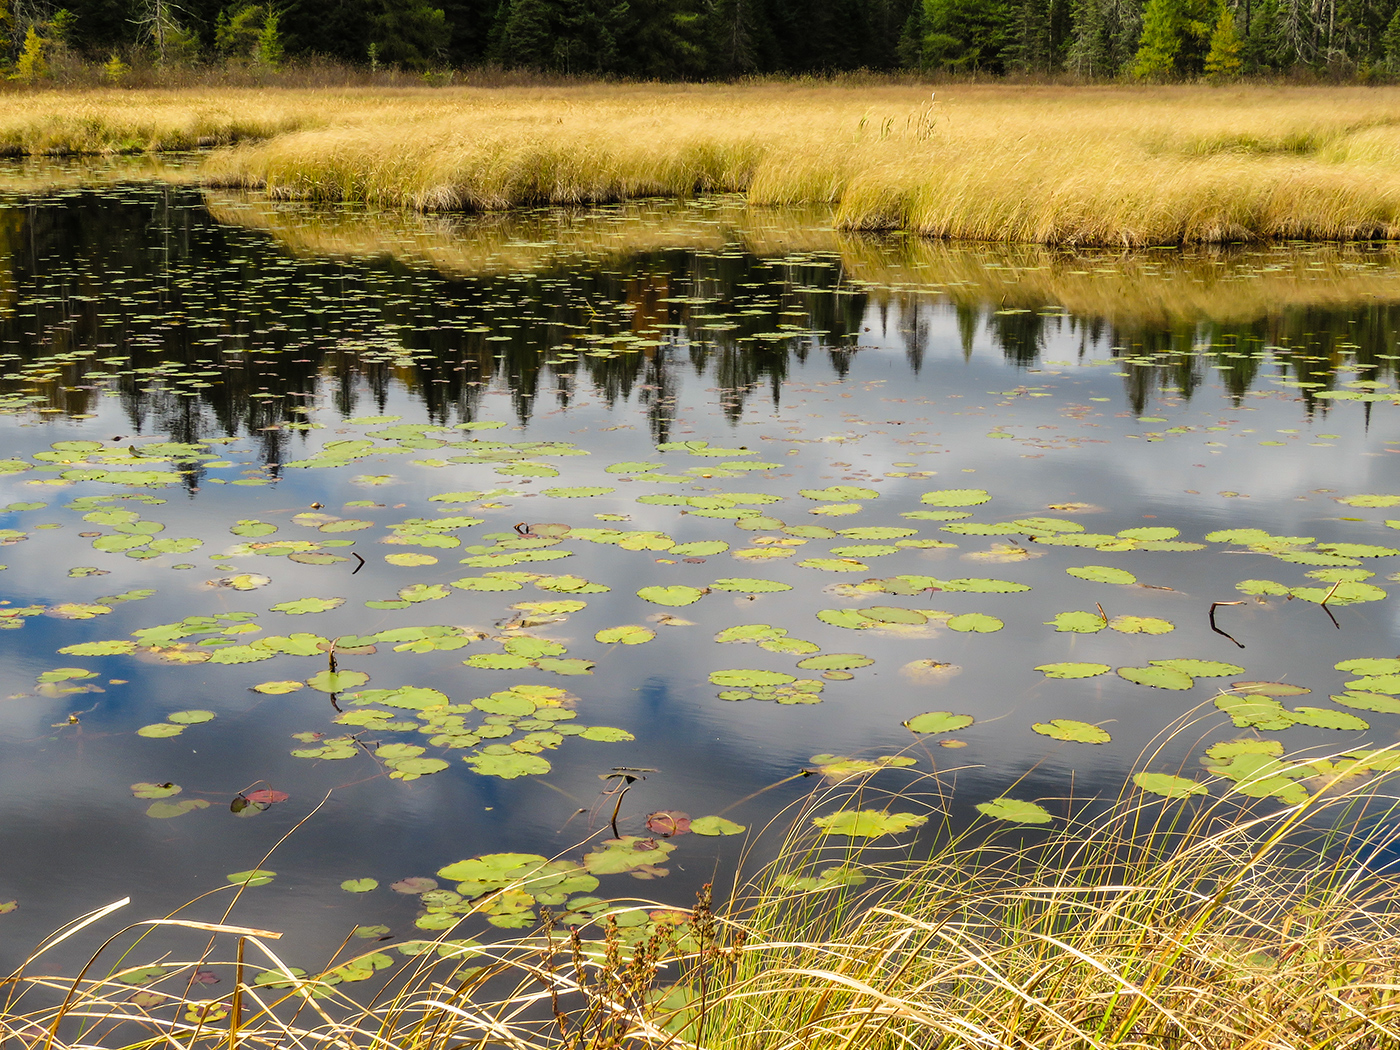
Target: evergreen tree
[1089,50]
[664,39]
[1029,48]
[1391,42]
[409,33]
[965,35]
[1223,60]
[910,49]
[527,34]
[1161,41]
[269,51]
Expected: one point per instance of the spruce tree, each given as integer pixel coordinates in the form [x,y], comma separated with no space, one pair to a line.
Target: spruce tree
[1223,60]
[1161,41]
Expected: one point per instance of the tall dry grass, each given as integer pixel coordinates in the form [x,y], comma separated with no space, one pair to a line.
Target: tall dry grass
[1209,922]
[1055,165]
[1119,166]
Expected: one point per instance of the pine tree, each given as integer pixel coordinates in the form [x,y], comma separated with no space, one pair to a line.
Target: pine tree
[910,49]
[269,50]
[527,36]
[1223,60]
[965,35]
[1089,52]
[1161,41]
[1391,42]
[410,33]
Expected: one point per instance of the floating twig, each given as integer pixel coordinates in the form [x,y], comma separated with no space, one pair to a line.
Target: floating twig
[1217,630]
[357,567]
[1099,605]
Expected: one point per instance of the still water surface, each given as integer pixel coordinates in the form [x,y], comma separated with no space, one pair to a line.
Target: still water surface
[305,426]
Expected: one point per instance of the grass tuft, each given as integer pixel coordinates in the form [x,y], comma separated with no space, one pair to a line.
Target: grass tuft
[1221,921]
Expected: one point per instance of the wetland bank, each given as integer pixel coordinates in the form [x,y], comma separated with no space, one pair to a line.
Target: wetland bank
[359,558]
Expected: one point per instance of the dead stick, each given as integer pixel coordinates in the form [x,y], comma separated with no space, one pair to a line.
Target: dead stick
[1217,630]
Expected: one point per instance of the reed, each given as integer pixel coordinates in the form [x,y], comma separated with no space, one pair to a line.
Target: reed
[1208,922]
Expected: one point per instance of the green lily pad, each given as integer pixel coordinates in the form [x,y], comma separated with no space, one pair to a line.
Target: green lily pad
[145,790]
[359,885]
[252,877]
[1015,810]
[1158,677]
[337,681]
[160,730]
[1141,625]
[865,823]
[118,647]
[576,491]
[1078,622]
[628,634]
[507,766]
[893,614]
[1073,670]
[1261,587]
[166,810]
[627,854]
[300,606]
[749,585]
[1103,574]
[979,623]
[1262,712]
[834,564]
[673,596]
[955,497]
[938,722]
[1370,499]
[1068,729]
[715,826]
[1369,702]
[1343,593]
[838,493]
[607,734]
[190,718]
[750,679]
[1201,668]
[1167,785]
[1322,718]
[1370,666]
[835,662]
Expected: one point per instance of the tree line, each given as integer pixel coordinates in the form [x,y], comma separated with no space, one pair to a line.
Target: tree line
[699,39]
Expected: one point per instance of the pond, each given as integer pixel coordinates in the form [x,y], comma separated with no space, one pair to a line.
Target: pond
[345,546]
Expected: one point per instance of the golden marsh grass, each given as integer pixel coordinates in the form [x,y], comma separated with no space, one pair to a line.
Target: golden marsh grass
[1110,166]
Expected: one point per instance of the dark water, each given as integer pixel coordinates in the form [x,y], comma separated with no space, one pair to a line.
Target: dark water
[214,352]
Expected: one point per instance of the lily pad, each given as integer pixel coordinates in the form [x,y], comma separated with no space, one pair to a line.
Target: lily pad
[715,826]
[938,722]
[1201,668]
[1073,670]
[1078,622]
[674,596]
[252,877]
[978,623]
[742,679]
[337,681]
[1103,574]
[1158,677]
[865,823]
[1015,810]
[1068,729]
[955,497]
[359,885]
[300,606]
[507,766]
[835,662]
[749,585]
[160,730]
[164,810]
[629,634]
[1167,785]
[1141,625]
[190,718]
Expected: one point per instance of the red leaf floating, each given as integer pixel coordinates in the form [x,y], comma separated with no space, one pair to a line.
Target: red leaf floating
[668,822]
[206,977]
[266,796]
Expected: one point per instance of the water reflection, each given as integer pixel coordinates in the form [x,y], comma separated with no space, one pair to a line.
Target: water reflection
[185,308]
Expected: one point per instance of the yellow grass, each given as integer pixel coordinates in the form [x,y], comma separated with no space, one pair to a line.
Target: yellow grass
[1101,166]
[1056,165]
